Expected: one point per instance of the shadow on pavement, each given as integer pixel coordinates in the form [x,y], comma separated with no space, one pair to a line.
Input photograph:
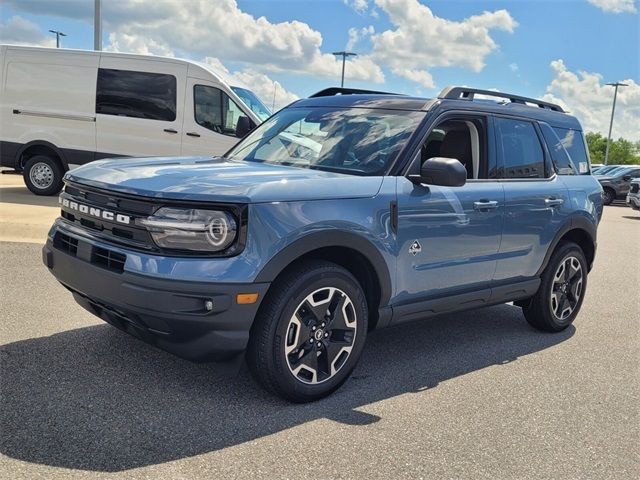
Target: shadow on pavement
[96,399]
[21,194]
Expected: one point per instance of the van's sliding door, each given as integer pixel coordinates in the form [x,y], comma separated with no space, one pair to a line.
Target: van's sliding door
[139,107]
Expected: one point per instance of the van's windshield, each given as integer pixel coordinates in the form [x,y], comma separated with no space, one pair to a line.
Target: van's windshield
[253,102]
[351,140]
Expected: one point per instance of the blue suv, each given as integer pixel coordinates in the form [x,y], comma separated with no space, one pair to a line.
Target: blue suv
[344,212]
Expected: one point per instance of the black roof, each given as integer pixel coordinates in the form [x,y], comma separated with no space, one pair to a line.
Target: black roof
[511,104]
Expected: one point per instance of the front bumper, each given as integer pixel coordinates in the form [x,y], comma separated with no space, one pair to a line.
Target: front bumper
[169,314]
[633,201]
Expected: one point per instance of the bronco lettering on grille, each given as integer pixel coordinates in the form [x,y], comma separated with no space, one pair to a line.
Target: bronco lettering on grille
[95,212]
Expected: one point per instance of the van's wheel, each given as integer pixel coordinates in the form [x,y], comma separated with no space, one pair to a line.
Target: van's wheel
[564,282]
[309,333]
[43,175]
[608,196]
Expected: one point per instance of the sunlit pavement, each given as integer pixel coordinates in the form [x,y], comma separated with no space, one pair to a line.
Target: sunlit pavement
[471,395]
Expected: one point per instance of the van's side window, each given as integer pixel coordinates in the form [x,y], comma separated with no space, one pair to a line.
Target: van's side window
[213,109]
[520,153]
[136,94]
[573,143]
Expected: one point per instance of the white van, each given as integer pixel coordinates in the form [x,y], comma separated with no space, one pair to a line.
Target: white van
[63,107]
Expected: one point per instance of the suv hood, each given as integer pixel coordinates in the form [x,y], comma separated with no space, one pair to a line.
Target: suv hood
[217,180]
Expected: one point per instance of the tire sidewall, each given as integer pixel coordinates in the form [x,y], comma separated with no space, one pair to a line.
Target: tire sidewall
[567,250]
[334,277]
[58,173]
[609,196]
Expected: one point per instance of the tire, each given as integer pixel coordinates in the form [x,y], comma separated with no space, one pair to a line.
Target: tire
[562,288]
[608,196]
[284,343]
[43,175]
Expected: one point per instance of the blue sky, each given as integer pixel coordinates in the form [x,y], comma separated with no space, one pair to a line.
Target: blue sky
[404,45]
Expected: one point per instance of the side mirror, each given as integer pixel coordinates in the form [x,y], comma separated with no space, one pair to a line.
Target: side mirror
[627,178]
[446,172]
[244,126]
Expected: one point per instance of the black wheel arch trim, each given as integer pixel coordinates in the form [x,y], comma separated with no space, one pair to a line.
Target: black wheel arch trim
[574,223]
[332,238]
[43,143]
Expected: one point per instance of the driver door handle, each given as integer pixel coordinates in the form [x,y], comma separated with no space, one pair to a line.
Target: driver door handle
[170,130]
[485,205]
[553,202]
[193,134]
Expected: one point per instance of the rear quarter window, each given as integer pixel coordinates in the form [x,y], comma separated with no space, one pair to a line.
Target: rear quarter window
[573,143]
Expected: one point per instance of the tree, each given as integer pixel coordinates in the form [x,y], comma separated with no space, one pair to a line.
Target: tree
[621,151]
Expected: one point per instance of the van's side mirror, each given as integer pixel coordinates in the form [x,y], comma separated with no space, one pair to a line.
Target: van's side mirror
[244,126]
[446,172]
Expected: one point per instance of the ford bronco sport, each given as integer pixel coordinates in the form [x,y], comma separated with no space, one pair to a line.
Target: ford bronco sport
[344,212]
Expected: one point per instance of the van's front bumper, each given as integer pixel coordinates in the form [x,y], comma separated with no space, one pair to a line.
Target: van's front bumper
[633,201]
[171,314]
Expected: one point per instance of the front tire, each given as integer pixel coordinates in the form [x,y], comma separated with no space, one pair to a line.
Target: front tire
[608,196]
[309,332]
[43,175]
[559,299]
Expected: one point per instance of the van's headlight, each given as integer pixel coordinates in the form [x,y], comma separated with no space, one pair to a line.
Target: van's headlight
[191,229]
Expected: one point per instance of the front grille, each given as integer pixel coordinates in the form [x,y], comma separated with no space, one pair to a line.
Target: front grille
[98,256]
[66,243]
[108,259]
[635,187]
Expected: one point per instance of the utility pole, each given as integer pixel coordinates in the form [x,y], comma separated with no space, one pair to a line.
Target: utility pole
[58,35]
[344,56]
[97,26]
[613,111]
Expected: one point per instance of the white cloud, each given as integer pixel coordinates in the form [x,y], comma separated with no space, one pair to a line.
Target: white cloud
[222,30]
[422,77]
[615,6]
[359,6]
[586,96]
[356,35]
[514,67]
[20,31]
[259,83]
[421,40]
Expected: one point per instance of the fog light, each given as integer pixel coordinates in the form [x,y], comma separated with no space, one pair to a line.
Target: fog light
[208,305]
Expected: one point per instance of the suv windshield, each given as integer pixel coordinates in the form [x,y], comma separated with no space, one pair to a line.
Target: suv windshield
[253,102]
[352,140]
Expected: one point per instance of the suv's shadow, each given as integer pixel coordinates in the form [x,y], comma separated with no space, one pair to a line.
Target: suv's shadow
[96,399]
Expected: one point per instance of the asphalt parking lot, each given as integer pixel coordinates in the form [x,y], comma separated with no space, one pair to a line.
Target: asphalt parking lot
[472,395]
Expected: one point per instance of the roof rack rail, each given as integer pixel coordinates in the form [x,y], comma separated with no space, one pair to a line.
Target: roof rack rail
[464,93]
[331,91]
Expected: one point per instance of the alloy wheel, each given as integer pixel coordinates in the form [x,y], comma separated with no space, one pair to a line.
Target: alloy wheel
[320,335]
[566,288]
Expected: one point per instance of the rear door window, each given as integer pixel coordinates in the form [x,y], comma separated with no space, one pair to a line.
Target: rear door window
[129,93]
[519,150]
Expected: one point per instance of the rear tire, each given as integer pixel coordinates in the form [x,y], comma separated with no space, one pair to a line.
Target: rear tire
[43,175]
[608,196]
[309,332]
[564,282]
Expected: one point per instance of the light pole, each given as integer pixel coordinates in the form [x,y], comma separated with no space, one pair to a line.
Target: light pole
[344,56]
[613,111]
[97,26]
[58,35]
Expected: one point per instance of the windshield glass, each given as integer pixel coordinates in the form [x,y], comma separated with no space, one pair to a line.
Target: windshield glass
[353,140]
[607,169]
[253,102]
